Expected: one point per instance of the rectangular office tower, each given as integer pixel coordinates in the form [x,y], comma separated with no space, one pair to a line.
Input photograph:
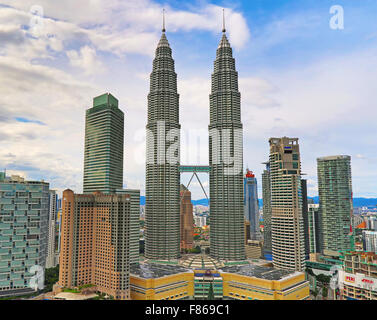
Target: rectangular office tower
[227,233]
[266,196]
[52,260]
[103,157]
[134,222]
[251,205]
[287,226]
[187,219]
[23,233]
[335,202]
[162,207]
[95,242]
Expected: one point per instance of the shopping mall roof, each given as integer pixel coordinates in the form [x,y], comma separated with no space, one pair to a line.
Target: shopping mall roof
[154,270]
[259,272]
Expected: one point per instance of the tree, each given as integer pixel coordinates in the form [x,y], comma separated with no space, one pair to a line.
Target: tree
[210,292]
[325,292]
[309,271]
[51,277]
[323,278]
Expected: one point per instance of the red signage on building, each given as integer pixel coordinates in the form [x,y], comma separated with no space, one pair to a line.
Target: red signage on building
[367,281]
[350,279]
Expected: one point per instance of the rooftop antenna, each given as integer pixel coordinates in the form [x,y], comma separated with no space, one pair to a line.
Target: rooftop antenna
[224,30]
[163,20]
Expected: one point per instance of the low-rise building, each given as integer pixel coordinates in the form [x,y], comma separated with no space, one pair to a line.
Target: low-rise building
[254,249]
[203,280]
[251,282]
[358,278]
[153,281]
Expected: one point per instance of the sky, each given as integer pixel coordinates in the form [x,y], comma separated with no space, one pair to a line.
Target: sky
[298,77]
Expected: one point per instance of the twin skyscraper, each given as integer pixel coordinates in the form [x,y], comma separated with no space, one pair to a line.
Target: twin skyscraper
[162,207]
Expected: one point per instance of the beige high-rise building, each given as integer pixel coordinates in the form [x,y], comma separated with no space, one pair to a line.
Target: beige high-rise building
[95,242]
[287,229]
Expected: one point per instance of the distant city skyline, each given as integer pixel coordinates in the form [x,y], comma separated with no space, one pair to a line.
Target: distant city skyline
[298,77]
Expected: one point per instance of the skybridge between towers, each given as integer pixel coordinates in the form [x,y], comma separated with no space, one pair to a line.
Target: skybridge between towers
[194,170]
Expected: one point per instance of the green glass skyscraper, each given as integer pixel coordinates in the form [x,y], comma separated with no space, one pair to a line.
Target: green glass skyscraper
[162,187]
[226,159]
[335,202]
[103,157]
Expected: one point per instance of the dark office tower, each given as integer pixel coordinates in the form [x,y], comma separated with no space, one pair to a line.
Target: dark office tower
[187,219]
[304,192]
[287,227]
[266,194]
[162,206]
[225,159]
[335,202]
[103,157]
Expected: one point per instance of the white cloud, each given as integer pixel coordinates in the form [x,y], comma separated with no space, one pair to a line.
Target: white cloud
[85,59]
[45,79]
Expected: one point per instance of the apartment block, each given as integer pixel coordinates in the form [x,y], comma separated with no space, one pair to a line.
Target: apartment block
[23,233]
[95,242]
[287,227]
[335,202]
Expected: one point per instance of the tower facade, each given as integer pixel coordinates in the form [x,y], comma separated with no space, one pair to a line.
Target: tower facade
[287,226]
[335,202]
[251,204]
[162,202]
[103,157]
[226,159]
[304,194]
[266,196]
[314,228]
[51,260]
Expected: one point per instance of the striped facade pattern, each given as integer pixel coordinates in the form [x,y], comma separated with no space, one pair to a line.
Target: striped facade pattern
[335,202]
[104,136]
[226,190]
[162,203]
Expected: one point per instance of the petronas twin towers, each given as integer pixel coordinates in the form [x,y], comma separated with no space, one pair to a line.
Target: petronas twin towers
[162,208]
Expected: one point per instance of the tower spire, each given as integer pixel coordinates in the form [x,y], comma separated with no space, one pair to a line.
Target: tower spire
[163,20]
[224,30]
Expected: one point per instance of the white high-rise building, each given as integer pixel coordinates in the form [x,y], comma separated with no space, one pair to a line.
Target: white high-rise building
[370,241]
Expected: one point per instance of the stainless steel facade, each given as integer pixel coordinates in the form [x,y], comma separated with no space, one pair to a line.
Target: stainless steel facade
[225,144]
[162,205]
